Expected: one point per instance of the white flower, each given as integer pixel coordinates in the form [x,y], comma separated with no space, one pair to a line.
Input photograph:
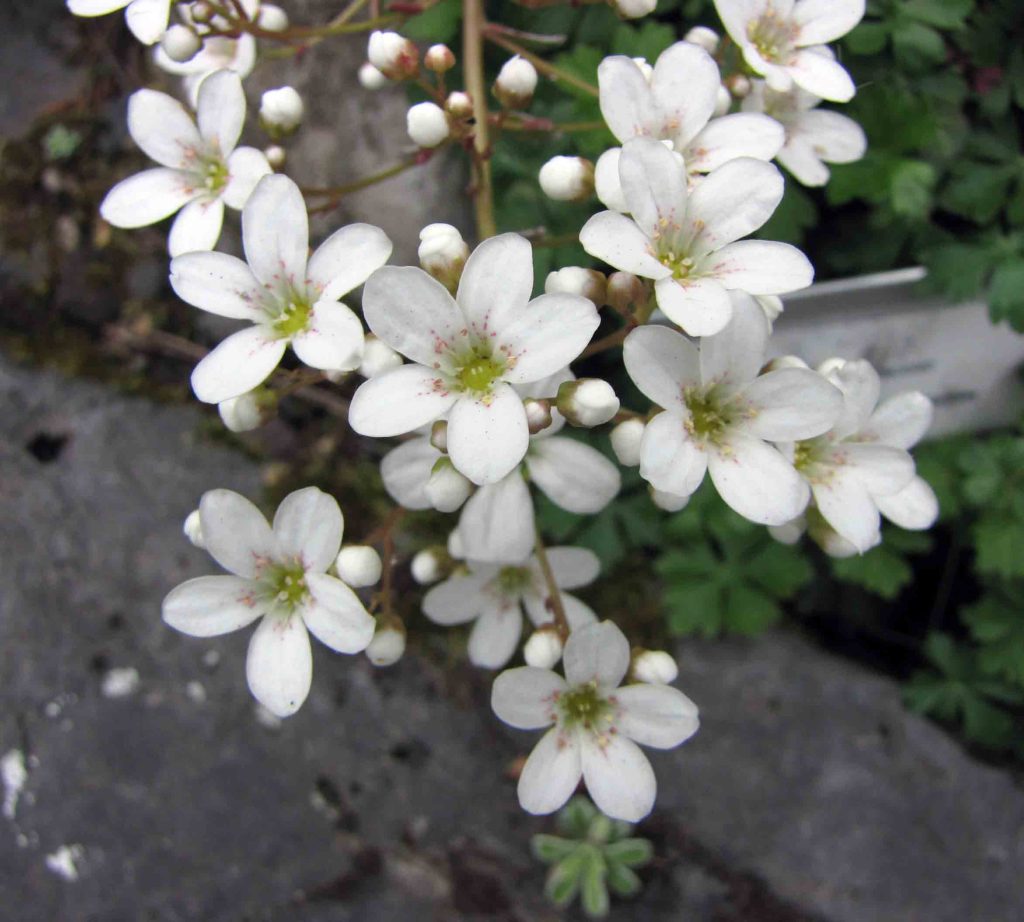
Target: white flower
[218,53]
[495,595]
[814,136]
[378,357]
[720,415]
[388,644]
[272,18]
[200,169]
[675,104]
[626,438]
[701,35]
[370,78]
[394,56]
[567,179]
[242,413]
[446,488]
[655,667]
[358,565]
[543,648]
[279,576]
[281,109]
[146,18]
[193,528]
[781,40]
[290,298]
[516,83]
[850,468]
[595,726]
[634,9]
[427,124]
[669,502]
[181,43]
[426,567]
[468,352]
[689,242]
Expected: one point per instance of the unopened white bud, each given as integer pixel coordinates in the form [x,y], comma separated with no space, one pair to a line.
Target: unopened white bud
[181,43]
[543,648]
[723,101]
[567,179]
[378,357]
[574,280]
[193,529]
[830,366]
[739,85]
[276,155]
[703,36]
[244,412]
[772,306]
[427,124]
[447,489]
[655,667]
[456,549]
[626,438]
[459,104]
[634,9]
[516,83]
[443,253]
[201,12]
[784,361]
[439,59]
[370,78]
[626,291]
[281,111]
[645,68]
[439,435]
[359,565]
[587,402]
[394,56]
[538,414]
[669,502]
[272,18]
[388,643]
[789,532]
[428,566]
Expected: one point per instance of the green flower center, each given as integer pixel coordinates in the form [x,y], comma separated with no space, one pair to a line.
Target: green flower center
[286,584]
[584,707]
[771,35]
[294,318]
[709,417]
[214,174]
[682,266]
[477,372]
[513,580]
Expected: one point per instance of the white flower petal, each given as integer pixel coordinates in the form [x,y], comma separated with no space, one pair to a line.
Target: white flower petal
[162,127]
[244,360]
[217,283]
[902,420]
[736,15]
[405,471]
[733,357]
[824,21]
[860,387]
[619,778]
[607,185]
[235,532]
[756,481]
[458,599]
[497,522]
[551,773]
[95,7]
[211,605]
[573,566]
[546,335]
[279,665]
[654,185]
[733,202]
[347,258]
[197,227]
[761,267]
[246,167]
[524,698]
[791,404]
[915,507]
[147,19]
[308,525]
[661,363]
[655,715]
[399,401]
[821,76]
[573,475]
[146,198]
[836,138]
[882,469]
[335,616]
[487,437]
[275,232]
[333,340]
[800,158]
[845,503]
[627,102]
[700,306]
[742,134]
[670,461]
[495,635]
[596,653]
[685,88]
[496,283]
[220,112]
[616,239]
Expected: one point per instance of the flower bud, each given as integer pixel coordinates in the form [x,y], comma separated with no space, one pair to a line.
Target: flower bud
[272,18]
[574,280]
[626,438]
[543,648]
[370,78]
[181,43]
[281,111]
[669,502]
[427,124]
[567,179]
[394,56]
[772,307]
[634,9]
[626,292]
[439,59]
[388,643]
[443,253]
[201,12]
[359,565]
[645,68]
[276,156]
[703,36]
[789,532]
[739,85]
[455,548]
[247,411]
[459,104]
[783,361]
[439,435]
[538,414]
[193,529]
[378,357]
[830,366]
[656,667]
[516,83]
[723,102]
[587,402]
[447,489]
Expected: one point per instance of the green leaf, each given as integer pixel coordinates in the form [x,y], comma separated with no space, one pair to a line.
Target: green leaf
[622,881]
[439,23]
[943,14]
[978,191]
[918,46]
[563,880]
[550,849]
[575,818]
[958,269]
[648,41]
[695,608]
[868,38]
[999,545]
[780,569]
[749,611]
[1006,293]
[633,853]
[795,215]
[998,626]
[881,571]
[910,188]
[594,890]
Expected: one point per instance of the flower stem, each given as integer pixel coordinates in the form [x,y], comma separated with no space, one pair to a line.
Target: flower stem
[545,67]
[554,593]
[473,26]
[335,193]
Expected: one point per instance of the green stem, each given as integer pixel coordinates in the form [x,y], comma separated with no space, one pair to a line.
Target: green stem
[473,25]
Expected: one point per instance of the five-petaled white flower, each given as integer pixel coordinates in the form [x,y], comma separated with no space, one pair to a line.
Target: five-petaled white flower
[675,104]
[782,41]
[494,596]
[468,352]
[201,169]
[814,136]
[595,726]
[689,243]
[279,575]
[146,18]
[288,296]
[853,469]
[719,414]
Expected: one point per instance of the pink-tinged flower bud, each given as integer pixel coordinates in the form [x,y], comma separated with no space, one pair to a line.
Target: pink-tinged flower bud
[443,253]
[626,292]
[447,489]
[394,56]
[272,18]
[276,156]
[538,414]
[516,83]
[574,280]
[201,12]
[281,111]
[587,402]
[656,667]
[181,43]
[739,85]
[543,648]
[378,357]
[567,179]
[388,643]
[439,59]
[439,435]
[358,565]
[668,502]
[626,438]
[370,78]
[634,9]
[459,104]
[703,36]
[193,529]
[427,124]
